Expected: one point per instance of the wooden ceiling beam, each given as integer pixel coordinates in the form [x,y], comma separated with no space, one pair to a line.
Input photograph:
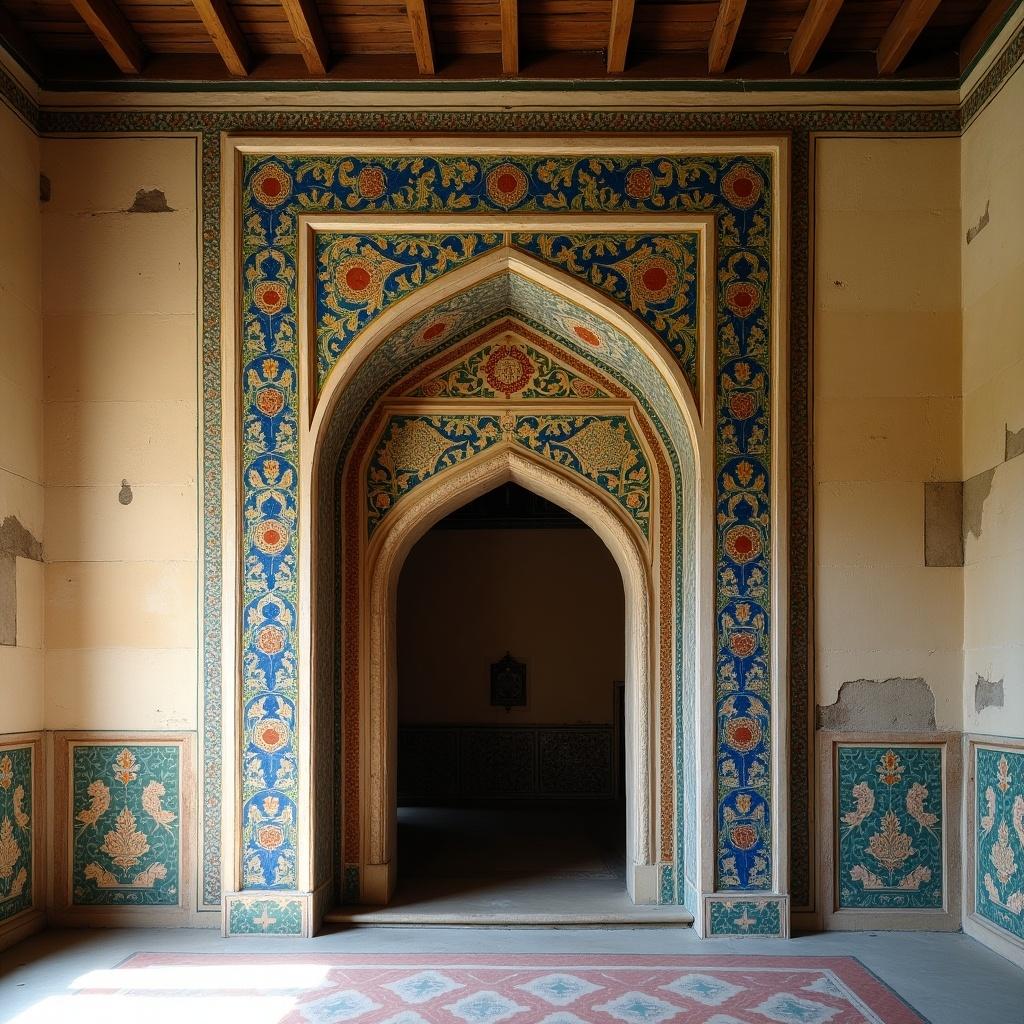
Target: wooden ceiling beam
[811,33]
[509,37]
[18,41]
[227,37]
[304,19]
[978,34]
[117,37]
[618,34]
[902,33]
[723,35]
[422,38]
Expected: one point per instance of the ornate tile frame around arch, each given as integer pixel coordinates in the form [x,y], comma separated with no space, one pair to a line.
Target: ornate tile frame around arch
[777,149]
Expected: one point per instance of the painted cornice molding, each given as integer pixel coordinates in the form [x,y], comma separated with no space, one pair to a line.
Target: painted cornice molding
[997,61]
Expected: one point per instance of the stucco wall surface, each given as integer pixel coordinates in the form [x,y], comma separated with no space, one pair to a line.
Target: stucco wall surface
[120,336]
[887,415]
[992,158]
[21,446]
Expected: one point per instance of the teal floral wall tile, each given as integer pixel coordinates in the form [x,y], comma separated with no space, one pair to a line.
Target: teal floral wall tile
[745,917]
[890,827]
[15,831]
[269,916]
[126,816]
[999,859]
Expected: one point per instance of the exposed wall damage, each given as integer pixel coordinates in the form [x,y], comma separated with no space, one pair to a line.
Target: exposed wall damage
[988,693]
[880,705]
[15,542]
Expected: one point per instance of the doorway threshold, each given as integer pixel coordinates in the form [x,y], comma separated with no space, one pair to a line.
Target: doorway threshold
[627,915]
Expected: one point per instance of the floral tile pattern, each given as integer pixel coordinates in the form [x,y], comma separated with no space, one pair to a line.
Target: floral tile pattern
[737,190]
[126,815]
[999,845]
[270,915]
[525,989]
[603,449]
[889,827]
[16,835]
[745,917]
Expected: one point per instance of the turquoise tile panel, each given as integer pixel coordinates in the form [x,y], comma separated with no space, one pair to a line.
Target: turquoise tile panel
[126,816]
[890,827]
[745,917]
[265,917]
[999,841]
[16,836]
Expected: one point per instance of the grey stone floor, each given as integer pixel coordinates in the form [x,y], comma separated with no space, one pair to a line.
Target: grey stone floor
[948,978]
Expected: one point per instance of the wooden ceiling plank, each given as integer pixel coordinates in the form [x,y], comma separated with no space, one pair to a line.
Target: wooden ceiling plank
[111,28]
[723,35]
[902,33]
[422,38]
[509,37]
[222,28]
[978,34]
[618,34]
[304,19]
[16,36]
[811,33]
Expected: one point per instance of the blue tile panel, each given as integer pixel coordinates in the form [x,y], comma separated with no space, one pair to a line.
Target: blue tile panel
[126,816]
[736,190]
[889,827]
[16,836]
[999,842]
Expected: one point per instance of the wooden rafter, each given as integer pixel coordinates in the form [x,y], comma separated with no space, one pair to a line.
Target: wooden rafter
[509,37]
[227,37]
[422,38]
[618,34]
[111,28]
[20,43]
[304,19]
[811,33]
[902,33]
[983,27]
[723,36]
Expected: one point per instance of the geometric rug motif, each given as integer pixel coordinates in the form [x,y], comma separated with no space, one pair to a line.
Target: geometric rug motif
[518,989]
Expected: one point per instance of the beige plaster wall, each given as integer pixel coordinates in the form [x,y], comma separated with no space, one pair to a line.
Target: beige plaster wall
[992,164]
[553,598]
[120,339]
[21,399]
[887,413]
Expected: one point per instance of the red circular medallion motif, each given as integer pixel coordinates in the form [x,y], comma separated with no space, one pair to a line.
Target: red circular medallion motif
[742,297]
[270,837]
[270,735]
[639,183]
[371,183]
[269,401]
[742,404]
[743,837]
[742,186]
[270,296]
[508,370]
[270,536]
[742,734]
[655,279]
[270,640]
[357,280]
[743,644]
[742,543]
[507,185]
[271,186]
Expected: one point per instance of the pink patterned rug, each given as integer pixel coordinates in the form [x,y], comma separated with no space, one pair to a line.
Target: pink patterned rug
[492,989]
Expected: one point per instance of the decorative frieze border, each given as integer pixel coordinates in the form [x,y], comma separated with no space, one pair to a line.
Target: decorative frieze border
[890,852]
[124,803]
[22,835]
[994,844]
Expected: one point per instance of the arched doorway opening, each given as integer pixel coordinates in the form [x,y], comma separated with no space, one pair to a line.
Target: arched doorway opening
[511,712]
